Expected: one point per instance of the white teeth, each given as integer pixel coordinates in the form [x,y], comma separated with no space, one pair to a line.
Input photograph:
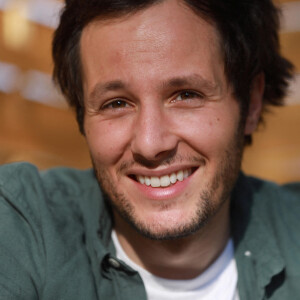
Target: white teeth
[165,180]
[155,182]
[180,175]
[147,180]
[141,179]
[173,178]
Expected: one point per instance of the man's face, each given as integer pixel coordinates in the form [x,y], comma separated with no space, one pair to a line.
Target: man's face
[161,123]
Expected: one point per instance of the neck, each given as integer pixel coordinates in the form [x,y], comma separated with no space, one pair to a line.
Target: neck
[184,258]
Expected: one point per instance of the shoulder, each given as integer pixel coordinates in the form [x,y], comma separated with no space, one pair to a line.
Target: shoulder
[271,211]
[20,189]
[265,225]
[20,235]
[41,224]
[272,198]
[59,196]
[26,191]
[258,193]
[264,206]
[16,175]
[22,184]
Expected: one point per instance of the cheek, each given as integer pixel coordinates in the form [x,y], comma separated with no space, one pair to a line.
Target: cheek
[209,131]
[107,140]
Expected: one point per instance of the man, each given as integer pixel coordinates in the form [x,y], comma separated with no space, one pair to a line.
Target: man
[167,94]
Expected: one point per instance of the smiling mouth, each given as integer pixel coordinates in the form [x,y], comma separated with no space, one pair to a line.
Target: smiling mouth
[165,180]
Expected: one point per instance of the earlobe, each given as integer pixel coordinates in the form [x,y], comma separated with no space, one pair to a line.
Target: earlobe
[255,105]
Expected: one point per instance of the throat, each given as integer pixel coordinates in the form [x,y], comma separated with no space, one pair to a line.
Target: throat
[174,260]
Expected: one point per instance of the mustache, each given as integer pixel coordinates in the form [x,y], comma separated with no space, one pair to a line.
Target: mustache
[126,165]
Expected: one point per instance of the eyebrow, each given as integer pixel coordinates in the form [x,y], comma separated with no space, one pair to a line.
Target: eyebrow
[102,88]
[174,82]
[193,79]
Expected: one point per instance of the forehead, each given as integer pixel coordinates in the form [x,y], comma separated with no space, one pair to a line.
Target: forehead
[161,19]
[163,34]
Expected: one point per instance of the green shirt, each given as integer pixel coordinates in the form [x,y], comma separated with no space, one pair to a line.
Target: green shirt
[55,239]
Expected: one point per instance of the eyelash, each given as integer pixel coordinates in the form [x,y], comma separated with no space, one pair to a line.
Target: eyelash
[111,103]
[122,104]
[191,94]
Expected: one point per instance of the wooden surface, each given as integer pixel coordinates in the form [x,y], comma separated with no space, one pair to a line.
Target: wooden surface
[42,135]
[290,47]
[275,153]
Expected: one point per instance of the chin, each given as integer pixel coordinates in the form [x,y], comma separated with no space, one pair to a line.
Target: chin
[164,222]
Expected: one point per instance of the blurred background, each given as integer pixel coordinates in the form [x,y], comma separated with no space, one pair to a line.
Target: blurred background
[37,126]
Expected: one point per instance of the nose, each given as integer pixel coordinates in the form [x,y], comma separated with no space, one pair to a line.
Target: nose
[153,140]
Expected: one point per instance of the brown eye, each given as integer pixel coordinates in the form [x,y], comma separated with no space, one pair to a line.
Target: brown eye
[187,95]
[187,99]
[118,104]
[115,104]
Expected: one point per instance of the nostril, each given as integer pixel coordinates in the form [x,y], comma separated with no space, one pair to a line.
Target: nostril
[151,162]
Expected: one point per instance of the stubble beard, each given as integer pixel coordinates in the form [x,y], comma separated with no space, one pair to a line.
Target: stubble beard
[207,207]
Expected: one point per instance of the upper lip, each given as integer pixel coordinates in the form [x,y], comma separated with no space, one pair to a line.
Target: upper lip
[160,172]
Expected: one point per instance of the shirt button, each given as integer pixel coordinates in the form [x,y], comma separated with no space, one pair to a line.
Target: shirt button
[114,263]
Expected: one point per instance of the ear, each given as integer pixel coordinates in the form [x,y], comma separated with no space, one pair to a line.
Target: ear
[255,105]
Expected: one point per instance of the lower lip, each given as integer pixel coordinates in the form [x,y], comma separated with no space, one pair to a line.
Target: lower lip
[165,193]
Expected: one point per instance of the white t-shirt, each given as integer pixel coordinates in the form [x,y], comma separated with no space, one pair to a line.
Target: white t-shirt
[219,281]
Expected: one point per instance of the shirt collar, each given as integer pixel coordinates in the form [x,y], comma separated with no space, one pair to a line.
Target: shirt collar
[256,249]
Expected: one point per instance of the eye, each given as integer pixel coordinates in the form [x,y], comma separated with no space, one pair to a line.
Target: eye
[186,95]
[187,99]
[115,104]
